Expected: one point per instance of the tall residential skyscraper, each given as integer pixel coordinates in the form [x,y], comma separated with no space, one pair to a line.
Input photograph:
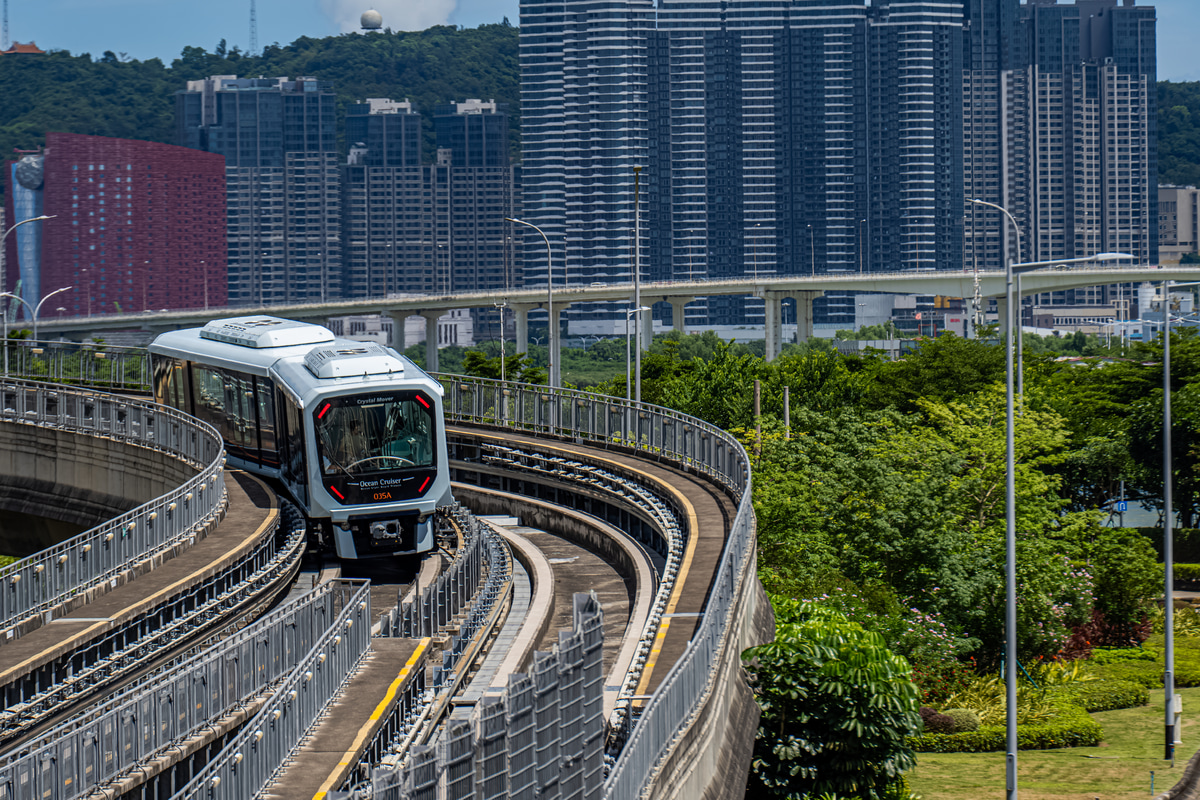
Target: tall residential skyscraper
[280,146]
[799,136]
[782,138]
[584,129]
[1061,131]
[431,228]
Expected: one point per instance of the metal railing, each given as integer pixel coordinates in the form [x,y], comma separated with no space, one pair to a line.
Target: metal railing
[96,365]
[264,743]
[97,558]
[129,729]
[542,737]
[659,433]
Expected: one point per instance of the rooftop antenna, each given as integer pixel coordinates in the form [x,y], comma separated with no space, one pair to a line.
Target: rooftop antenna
[253,26]
[6,43]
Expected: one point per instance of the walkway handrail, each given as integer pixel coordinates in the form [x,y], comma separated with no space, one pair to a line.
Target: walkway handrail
[660,433]
[96,559]
[247,763]
[96,366]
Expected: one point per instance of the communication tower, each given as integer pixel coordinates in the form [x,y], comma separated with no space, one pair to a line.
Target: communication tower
[253,27]
[6,43]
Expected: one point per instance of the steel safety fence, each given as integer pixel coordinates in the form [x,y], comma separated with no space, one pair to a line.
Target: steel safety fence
[589,417]
[668,540]
[542,737]
[171,705]
[248,762]
[98,558]
[99,366]
[661,433]
[158,631]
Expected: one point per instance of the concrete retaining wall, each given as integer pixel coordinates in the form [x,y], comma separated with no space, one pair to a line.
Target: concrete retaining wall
[74,479]
[712,758]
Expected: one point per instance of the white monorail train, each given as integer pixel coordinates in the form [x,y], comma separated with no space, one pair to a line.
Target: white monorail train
[353,431]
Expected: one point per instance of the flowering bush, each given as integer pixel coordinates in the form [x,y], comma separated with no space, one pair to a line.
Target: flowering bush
[933,651]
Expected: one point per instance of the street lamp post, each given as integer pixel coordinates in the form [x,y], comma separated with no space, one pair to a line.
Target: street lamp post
[1010,538]
[637,280]
[812,251]
[1168,543]
[4,277]
[33,312]
[552,357]
[500,306]
[861,222]
[203,271]
[1010,530]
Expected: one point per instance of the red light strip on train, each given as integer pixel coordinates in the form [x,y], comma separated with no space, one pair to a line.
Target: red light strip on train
[424,483]
[323,411]
[423,401]
[340,496]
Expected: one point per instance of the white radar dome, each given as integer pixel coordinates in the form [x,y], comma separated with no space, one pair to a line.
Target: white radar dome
[372,20]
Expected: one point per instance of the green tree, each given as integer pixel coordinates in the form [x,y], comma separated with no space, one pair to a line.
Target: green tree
[939,369]
[516,367]
[718,390]
[837,708]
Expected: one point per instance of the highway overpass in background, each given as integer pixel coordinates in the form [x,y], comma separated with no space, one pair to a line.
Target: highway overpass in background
[773,289]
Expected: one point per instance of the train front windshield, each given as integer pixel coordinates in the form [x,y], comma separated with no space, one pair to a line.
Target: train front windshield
[360,436]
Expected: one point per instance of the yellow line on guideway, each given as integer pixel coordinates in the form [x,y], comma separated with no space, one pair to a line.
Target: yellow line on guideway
[351,755]
[685,565]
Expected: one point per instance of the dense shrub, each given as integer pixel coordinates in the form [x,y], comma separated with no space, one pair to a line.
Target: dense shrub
[964,719]
[1118,655]
[1187,576]
[940,679]
[1108,695]
[936,722]
[1127,577]
[1101,631]
[837,707]
[1069,727]
[1144,673]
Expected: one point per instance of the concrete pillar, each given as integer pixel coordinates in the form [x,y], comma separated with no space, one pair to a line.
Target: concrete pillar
[521,327]
[554,354]
[773,327]
[1002,315]
[677,313]
[804,314]
[398,319]
[431,340]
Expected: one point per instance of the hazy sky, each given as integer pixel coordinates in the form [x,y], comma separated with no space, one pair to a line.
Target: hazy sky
[162,28]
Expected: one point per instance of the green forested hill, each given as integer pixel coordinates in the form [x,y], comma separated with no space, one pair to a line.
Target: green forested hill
[135,99]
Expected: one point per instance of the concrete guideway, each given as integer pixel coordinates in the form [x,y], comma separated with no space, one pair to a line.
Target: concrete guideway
[333,747]
[723,743]
[252,514]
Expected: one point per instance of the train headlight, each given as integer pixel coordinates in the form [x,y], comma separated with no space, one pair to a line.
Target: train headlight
[386,529]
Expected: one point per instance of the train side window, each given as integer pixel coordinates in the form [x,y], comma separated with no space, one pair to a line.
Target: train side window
[291,447]
[224,399]
[168,382]
[264,392]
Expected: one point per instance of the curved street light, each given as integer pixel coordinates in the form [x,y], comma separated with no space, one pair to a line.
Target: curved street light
[33,310]
[4,272]
[552,365]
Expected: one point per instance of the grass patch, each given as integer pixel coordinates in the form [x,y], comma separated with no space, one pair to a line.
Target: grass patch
[1118,768]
